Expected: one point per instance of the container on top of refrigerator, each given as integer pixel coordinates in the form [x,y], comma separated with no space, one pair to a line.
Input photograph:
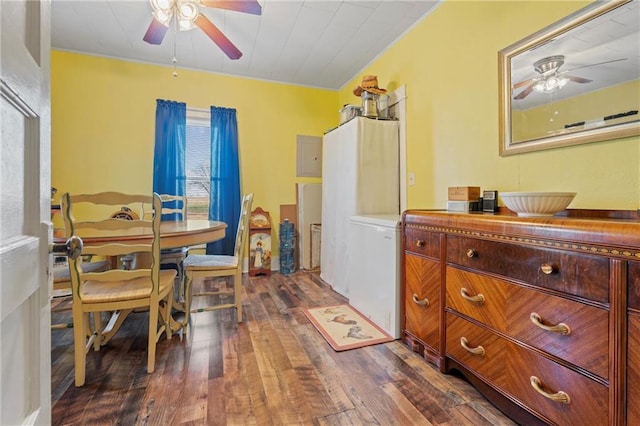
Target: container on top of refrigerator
[349,112]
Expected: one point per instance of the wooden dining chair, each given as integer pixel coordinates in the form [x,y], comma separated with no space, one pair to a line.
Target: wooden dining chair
[208,265]
[117,290]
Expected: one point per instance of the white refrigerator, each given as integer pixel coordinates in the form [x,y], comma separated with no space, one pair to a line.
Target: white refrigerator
[360,176]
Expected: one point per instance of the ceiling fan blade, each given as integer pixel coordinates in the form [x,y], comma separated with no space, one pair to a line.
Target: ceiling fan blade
[155,33]
[599,63]
[218,38]
[246,6]
[577,79]
[525,92]
[524,83]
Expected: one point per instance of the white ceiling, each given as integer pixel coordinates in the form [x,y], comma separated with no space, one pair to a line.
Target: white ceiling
[313,43]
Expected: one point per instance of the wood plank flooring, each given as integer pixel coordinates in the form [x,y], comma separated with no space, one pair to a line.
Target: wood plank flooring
[273,369]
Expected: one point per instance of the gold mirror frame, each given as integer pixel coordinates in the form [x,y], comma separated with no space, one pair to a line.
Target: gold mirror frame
[547,35]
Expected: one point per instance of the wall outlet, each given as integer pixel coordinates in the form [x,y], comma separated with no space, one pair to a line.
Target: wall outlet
[412,178]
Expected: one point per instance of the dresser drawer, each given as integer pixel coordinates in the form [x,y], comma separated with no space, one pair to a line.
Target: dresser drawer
[477,296]
[422,242]
[589,400]
[422,299]
[476,348]
[529,312]
[579,274]
[634,285]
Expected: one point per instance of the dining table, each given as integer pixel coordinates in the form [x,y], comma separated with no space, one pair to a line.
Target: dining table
[173,233]
[179,233]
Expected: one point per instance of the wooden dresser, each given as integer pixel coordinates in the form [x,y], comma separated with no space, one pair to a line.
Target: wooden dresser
[542,315]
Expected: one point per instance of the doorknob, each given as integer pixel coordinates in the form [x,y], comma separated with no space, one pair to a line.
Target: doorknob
[72,248]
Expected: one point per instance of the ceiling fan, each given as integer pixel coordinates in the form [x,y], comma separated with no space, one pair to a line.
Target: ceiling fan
[187,16]
[551,78]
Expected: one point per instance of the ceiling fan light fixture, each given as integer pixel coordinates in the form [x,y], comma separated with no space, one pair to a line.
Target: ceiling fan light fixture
[550,84]
[185,25]
[187,13]
[188,10]
[164,17]
[162,5]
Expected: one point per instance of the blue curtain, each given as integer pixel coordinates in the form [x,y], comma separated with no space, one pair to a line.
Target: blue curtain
[225,197]
[169,153]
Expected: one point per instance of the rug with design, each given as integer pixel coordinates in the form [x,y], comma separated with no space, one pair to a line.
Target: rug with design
[345,328]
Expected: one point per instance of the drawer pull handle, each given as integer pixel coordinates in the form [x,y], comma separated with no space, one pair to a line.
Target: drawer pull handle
[546,269]
[559,396]
[561,328]
[423,302]
[478,350]
[471,253]
[479,298]
[420,243]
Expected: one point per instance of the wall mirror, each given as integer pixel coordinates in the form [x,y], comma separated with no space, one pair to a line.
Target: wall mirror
[575,81]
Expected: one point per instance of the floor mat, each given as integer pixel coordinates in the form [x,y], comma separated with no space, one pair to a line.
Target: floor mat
[345,328]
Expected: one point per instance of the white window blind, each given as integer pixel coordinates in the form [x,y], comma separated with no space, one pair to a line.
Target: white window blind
[197,163]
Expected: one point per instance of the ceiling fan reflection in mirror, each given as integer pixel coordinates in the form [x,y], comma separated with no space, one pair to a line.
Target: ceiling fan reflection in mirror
[551,78]
[187,16]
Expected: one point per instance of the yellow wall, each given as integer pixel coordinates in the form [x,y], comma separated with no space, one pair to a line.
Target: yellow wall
[103,118]
[449,64]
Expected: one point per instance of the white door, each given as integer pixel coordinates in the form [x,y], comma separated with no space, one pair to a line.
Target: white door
[25,205]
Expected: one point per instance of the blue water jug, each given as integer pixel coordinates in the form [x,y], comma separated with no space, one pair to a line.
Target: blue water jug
[287,248]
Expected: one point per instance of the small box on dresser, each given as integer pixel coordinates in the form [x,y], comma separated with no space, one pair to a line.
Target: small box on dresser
[463,193]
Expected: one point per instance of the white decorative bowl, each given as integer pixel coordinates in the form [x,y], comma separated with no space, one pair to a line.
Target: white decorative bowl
[532,204]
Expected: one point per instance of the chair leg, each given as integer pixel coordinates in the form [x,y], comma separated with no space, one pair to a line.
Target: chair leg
[166,314]
[168,308]
[237,289]
[153,332]
[187,298]
[79,345]
[180,277]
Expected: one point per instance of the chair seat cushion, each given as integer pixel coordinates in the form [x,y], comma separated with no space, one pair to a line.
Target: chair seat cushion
[194,262]
[138,288]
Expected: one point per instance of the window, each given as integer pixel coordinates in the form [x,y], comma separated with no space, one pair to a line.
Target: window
[198,159]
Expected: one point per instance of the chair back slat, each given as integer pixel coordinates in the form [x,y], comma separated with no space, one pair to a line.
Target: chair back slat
[112,249]
[116,275]
[115,224]
[175,205]
[111,198]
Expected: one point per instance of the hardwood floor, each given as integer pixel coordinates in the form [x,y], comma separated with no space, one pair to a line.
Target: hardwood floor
[273,369]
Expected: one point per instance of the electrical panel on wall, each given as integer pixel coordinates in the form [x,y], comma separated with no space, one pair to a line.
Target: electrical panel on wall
[309,156]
